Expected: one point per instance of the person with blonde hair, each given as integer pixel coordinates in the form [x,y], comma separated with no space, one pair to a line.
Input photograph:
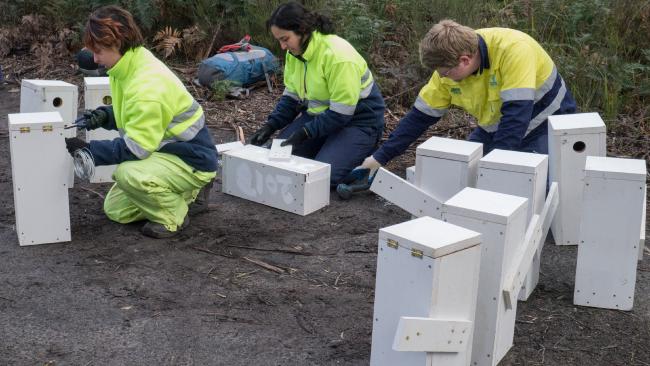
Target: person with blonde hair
[165,153]
[501,76]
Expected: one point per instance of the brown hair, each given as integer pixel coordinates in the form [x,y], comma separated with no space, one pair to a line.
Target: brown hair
[111,26]
[445,42]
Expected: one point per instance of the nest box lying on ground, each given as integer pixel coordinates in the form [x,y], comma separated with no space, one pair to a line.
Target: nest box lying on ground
[519,174]
[40,175]
[97,93]
[425,294]
[501,221]
[52,96]
[571,138]
[443,167]
[298,185]
[614,192]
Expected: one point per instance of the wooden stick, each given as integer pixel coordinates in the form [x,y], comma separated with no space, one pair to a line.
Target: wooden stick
[92,191]
[264,265]
[289,251]
[211,252]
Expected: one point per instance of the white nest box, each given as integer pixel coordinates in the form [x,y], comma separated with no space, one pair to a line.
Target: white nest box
[571,138]
[97,93]
[425,295]
[52,96]
[443,167]
[519,174]
[40,173]
[614,193]
[297,185]
[501,221]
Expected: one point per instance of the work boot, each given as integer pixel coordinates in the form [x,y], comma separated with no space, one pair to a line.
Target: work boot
[201,204]
[159,231]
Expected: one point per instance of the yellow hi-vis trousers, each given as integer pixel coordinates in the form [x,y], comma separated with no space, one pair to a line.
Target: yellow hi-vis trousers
[158,188]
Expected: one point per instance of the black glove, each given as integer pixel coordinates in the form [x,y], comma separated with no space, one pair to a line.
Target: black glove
[74,143]
[262,135]
[96,119]
[296,138]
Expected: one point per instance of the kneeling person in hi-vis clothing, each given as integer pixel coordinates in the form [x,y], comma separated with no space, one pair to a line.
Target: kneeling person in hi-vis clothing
[331,110]
[165,153]
[501,76]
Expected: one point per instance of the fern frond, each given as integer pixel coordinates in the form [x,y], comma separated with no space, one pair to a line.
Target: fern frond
[168,41]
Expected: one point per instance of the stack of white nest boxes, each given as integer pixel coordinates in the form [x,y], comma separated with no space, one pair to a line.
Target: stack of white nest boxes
[97,93]
[42,169]
[501,221]
[511,211]
[296,185]
[519,174]
[39,168]
[53,96]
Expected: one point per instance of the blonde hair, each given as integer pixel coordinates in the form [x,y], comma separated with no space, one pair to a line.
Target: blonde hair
[445,42]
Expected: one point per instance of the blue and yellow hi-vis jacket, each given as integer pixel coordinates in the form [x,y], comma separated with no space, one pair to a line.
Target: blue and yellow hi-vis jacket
[334,83]
[515,89]
[153,112]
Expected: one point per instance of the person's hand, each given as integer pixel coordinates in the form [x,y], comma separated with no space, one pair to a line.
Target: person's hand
[96,118]
[370,163]
[296,138]
[262,135]
[74,143]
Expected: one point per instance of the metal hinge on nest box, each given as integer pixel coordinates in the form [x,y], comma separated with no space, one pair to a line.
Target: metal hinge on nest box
[417,253]
[25,130]
[48,128]
[392,244]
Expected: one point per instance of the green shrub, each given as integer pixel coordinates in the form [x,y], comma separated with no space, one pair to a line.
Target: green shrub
[220,89]
[601,47]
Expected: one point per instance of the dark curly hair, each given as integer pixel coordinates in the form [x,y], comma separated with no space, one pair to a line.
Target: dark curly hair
[294,17]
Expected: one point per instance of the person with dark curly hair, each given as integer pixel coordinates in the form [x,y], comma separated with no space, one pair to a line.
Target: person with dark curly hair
[331,109]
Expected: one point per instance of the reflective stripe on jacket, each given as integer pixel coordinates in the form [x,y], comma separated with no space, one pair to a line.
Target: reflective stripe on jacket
[513,92]
[330,74]
[514,68]
[154,112]
[334,83]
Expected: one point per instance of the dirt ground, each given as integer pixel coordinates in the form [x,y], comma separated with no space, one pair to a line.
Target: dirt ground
[114,297]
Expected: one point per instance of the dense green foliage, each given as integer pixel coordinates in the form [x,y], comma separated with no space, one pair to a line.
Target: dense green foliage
[601,47]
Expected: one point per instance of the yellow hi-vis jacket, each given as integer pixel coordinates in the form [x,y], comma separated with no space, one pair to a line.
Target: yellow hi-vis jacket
[153,111]
[513,92]
[517,69]
[330,76]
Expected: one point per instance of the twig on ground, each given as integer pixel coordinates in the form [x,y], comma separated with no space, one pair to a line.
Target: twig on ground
[390,113]
[210,271]
[227,318]
[289,251]
[417,86]
[336,281]
[265,265]
[211,252]
[93,191]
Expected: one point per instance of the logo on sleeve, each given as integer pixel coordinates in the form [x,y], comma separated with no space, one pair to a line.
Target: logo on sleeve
[493,81]
[455,91]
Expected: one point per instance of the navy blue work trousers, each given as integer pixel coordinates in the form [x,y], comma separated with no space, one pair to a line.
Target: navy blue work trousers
[343,150]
